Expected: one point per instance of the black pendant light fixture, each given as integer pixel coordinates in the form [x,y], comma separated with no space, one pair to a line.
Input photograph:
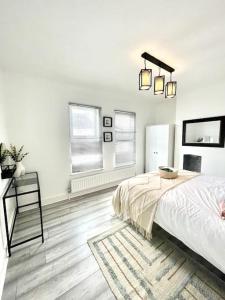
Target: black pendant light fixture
[171,88]
[145,78]
[159,84]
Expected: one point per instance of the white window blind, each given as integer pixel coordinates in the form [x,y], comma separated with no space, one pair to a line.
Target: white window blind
[85,138]
[125,138]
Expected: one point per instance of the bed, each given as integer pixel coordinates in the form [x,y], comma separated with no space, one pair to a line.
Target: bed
[191,212]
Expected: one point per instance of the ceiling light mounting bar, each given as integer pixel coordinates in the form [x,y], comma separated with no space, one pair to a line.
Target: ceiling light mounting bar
[157,62]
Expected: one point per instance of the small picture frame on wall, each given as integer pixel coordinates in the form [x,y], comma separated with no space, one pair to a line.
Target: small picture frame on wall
[107,121]
[107,136]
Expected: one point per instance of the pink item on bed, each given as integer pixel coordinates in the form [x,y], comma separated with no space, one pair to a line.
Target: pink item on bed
[222,210]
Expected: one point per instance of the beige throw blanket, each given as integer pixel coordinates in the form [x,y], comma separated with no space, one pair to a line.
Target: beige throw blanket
[136,198]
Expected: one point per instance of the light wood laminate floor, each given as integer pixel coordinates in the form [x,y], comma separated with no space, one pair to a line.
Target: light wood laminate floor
[63,267]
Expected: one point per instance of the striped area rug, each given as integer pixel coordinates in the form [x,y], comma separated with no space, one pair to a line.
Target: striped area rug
[139,269]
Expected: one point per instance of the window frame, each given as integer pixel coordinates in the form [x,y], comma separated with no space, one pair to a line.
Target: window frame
[93,171]
[135,131]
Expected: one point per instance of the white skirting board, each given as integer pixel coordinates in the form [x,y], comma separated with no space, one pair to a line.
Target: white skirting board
[67,196]
[87,184]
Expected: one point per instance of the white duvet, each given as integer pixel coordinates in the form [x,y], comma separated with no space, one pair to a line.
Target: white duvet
[191,213]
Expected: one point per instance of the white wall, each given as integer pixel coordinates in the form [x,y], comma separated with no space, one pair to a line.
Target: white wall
[165,111]
[208,100]
[3,183]
[3,133]
[39,119]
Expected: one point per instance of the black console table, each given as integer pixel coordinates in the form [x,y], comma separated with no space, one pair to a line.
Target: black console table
[26,184]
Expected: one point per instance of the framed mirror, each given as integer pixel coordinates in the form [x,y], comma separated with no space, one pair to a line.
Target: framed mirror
[207,132]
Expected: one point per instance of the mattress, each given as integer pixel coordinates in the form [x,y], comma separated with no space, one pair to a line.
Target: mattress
[191,213]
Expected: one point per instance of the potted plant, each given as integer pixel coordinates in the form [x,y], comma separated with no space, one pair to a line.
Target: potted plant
[3,154]
[17,156]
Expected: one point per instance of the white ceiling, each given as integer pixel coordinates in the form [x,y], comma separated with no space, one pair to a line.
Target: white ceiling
[99,42]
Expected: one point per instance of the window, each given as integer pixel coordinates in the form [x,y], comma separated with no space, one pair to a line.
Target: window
[85,138]
[125,135]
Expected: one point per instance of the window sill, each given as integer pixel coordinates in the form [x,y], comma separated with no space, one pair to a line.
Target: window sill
[98,171]
[87,173]
[124,166]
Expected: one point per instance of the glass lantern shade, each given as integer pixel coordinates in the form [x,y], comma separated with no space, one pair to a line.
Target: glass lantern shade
[159,84]
[171,89]
[145,79]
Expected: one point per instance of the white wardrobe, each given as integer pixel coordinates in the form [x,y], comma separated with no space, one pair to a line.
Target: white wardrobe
[159,146]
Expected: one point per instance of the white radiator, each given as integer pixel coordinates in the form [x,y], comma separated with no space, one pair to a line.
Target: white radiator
[105,178]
